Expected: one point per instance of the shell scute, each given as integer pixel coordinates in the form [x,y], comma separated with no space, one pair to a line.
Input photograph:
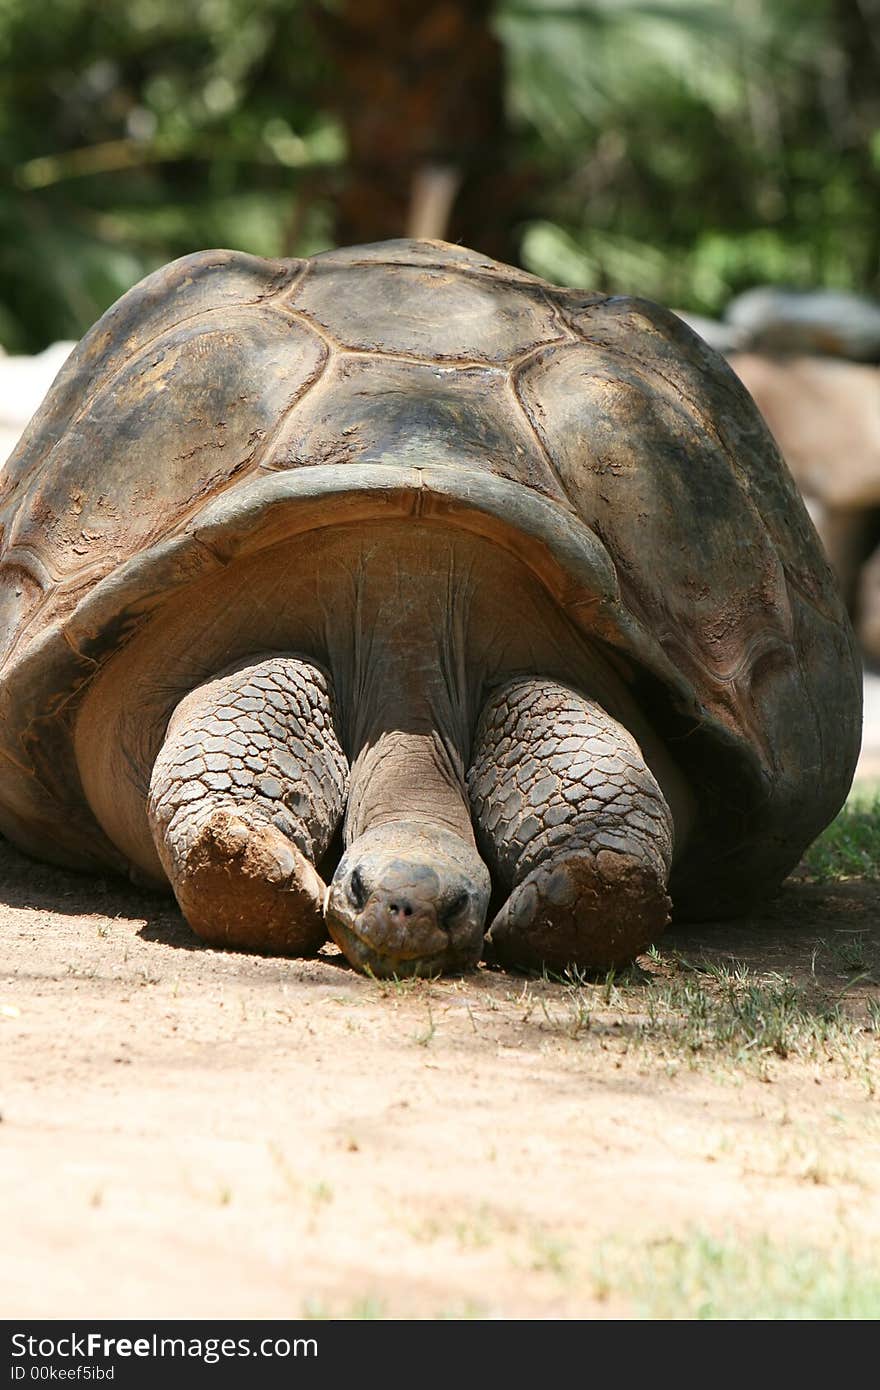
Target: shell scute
[640,471]
[185,416]
[203,283]
[441,255]
[430,311]
[376,409]
[681,366]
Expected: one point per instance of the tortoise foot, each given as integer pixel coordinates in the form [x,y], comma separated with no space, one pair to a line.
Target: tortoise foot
[575,827]
[245,794]
[249,886]
[590,912]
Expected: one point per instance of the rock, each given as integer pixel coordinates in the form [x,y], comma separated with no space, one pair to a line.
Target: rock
[832,323]
[723,337]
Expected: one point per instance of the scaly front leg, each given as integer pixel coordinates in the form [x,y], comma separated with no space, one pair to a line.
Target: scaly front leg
[572,825]
[245,795]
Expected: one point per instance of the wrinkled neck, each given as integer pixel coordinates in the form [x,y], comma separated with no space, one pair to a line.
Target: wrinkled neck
[411,725]
[407,777]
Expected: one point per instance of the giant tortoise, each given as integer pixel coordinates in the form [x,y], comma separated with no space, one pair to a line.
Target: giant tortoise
[356,594]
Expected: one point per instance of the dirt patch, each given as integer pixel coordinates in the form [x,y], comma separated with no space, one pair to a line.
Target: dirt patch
[190,1132]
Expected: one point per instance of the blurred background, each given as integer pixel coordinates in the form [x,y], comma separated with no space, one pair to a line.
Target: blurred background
[720,156]
[682,149]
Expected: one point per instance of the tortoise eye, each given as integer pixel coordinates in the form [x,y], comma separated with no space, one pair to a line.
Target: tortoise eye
[357,889]
[458,904]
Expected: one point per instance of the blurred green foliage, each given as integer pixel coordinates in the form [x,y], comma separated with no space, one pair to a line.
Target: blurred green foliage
[702,146]
[684,149]
[137,132]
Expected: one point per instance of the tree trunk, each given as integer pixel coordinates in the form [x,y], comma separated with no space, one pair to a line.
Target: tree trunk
[856,25]
[420,94]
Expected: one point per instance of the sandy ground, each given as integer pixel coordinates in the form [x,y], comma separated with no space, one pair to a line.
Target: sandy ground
[196,1133]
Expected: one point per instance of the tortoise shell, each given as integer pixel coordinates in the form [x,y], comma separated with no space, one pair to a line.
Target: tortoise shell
[227,402]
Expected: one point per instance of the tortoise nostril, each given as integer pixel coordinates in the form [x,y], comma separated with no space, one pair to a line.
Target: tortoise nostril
[357,889]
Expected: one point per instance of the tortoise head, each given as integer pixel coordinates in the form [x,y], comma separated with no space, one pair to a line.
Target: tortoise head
[408,899]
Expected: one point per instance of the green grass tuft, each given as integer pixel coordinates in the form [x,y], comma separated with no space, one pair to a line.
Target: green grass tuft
[699,1012]
[725,1011]
[700,1277]
[850,847]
